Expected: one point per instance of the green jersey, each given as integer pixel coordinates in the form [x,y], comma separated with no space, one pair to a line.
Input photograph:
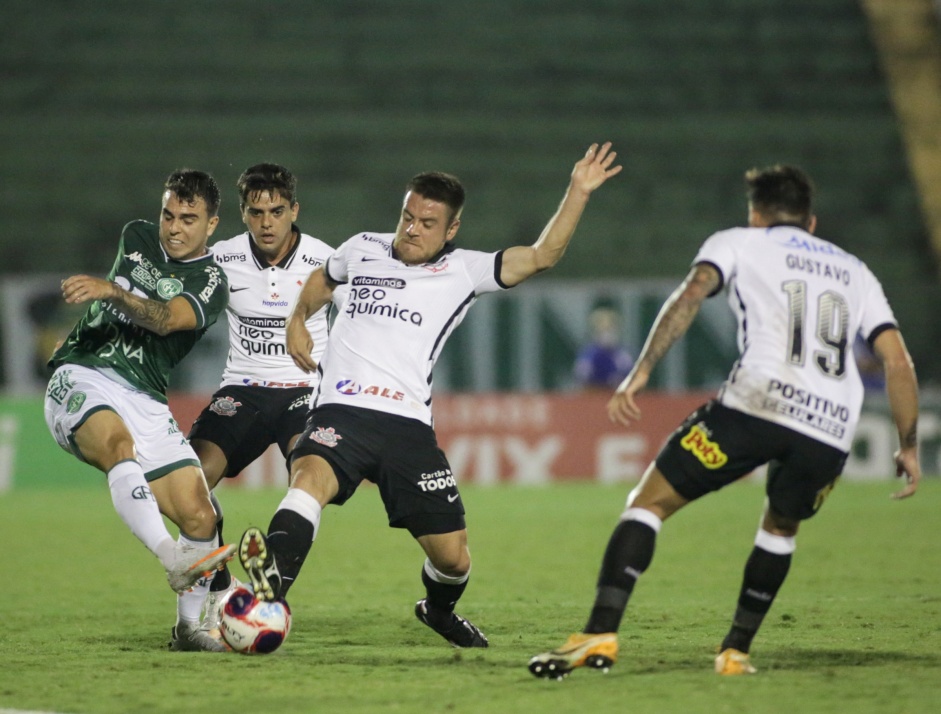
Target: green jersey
[106,338]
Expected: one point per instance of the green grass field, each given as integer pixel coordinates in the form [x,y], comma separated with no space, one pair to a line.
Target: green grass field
[857,627]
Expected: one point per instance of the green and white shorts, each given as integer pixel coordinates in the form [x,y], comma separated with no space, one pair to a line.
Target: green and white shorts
[76,392]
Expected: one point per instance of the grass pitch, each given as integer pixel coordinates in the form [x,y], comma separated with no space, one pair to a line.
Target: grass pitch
[857,626]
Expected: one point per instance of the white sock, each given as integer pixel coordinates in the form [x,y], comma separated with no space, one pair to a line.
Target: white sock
[189,603]
[303,504]
[138,508]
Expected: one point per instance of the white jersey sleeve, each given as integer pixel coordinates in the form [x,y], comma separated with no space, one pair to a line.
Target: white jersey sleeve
[260,299]
[394,321]
[799,301]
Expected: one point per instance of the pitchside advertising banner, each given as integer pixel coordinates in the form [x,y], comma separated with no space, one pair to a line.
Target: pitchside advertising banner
[490,439]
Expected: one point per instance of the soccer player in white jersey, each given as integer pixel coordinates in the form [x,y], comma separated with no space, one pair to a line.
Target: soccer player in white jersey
[264,397]
[107,404]
[792,401]
[407,292]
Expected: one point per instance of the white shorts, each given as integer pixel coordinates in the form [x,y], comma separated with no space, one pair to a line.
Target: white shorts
[75,393]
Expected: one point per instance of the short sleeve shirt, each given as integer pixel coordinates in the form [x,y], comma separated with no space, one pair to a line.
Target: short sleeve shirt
[261,297]
[799,301]
[394,322]
[105,338]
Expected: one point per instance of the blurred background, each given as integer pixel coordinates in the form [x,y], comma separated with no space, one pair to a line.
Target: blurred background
[102,101]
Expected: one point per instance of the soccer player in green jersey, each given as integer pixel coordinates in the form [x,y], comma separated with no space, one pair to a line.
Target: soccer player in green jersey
[106,402]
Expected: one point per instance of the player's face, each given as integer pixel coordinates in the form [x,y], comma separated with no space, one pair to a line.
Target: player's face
[269,218]
[185,227]
[423,229]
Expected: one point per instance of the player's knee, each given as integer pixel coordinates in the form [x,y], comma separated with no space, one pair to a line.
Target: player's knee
[452,563]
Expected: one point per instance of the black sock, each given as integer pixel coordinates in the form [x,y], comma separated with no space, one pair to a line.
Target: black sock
[290,536]
[223,577]
[628,554]
[764,574]
[441,597]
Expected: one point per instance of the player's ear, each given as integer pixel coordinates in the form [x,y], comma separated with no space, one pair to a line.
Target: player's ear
[452,229]
[812,224]
[211,227]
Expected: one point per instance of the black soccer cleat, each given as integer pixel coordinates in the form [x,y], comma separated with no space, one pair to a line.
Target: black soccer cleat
[259,563]
[459,632]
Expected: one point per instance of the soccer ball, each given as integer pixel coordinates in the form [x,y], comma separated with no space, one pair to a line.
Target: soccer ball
[253,626]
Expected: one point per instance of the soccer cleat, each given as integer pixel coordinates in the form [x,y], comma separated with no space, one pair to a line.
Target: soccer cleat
[598,651]
[259,563]
[733,662]
[187,637]
[190,564]
[459,632]
[212,609]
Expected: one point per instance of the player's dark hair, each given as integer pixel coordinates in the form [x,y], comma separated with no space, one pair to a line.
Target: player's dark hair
[272,178]
[783,194]
[441,187]
[189,184]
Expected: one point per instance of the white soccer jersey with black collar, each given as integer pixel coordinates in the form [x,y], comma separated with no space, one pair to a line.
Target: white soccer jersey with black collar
[800,302]
[260,299]
[394,321]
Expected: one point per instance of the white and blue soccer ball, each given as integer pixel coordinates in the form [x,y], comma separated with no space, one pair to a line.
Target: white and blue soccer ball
[253,626]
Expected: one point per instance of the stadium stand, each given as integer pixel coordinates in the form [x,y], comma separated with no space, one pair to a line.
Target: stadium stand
[100,103]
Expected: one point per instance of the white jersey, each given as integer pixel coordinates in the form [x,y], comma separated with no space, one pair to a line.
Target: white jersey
[800,302]
[261,297]
[394,321]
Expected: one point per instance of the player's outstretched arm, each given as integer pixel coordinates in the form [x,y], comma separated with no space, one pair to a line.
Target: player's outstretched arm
[522,262]
[901,385]
[154,315]
[317,292]
[672,322]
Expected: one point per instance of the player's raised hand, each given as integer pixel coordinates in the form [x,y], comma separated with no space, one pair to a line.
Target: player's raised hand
[85,288]
[595,167]
[907,467]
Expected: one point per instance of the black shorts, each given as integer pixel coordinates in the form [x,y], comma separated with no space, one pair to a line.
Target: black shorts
[398,454]
[717,445]
[245,421]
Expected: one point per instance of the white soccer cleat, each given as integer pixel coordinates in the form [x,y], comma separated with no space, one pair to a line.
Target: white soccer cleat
[191,637]
[212,609]
[191,563]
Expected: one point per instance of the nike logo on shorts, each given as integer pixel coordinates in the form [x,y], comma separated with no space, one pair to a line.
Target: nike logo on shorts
[453,497]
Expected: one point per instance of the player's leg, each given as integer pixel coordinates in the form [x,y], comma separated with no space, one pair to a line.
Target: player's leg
[628,554]
[104,441]
[184,498]
[445,575]
[765,570]
[797,487]
[83,412]
[274,561]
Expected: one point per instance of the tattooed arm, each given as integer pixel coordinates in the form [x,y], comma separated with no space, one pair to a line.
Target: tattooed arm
[675,317]
[160,317]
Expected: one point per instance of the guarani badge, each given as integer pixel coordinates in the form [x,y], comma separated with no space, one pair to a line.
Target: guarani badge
[169,288]
[75,402]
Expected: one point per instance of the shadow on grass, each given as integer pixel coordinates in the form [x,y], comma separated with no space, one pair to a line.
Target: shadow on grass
[798,658]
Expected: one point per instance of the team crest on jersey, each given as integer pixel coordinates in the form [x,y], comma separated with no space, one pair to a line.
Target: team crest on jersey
[697,443]
[168,288]
[76,400]
[327,437]
[225,406]
[348,387]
